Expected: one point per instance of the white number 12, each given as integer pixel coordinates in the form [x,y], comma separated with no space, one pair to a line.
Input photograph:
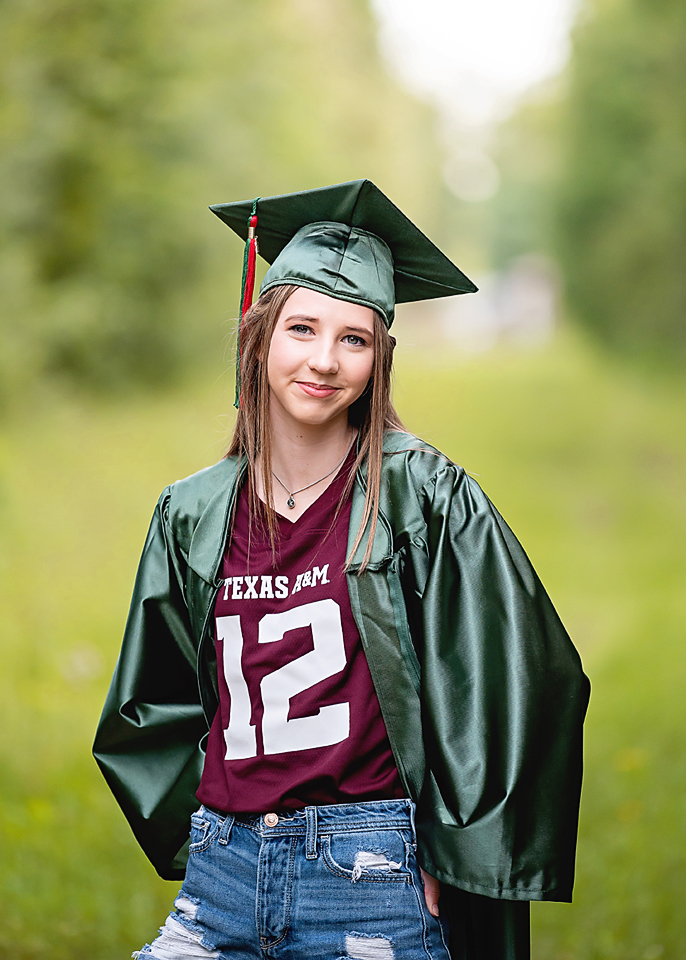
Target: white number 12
[329,725]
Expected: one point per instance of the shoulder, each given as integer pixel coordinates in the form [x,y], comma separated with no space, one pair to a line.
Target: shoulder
[418,463]
[183,503]
[431,500]
[419,478]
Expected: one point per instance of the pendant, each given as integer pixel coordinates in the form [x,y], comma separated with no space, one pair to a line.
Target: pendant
[290,502]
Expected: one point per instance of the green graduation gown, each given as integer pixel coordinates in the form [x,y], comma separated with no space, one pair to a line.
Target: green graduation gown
[480,687]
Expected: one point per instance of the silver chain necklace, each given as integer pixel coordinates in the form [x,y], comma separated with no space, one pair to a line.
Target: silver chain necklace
[293,493]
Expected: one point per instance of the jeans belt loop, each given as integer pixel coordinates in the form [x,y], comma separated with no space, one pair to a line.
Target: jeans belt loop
[412,809]
[311,837]
[225,832]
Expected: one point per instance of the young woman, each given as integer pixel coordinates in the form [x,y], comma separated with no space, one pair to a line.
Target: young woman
[337,646]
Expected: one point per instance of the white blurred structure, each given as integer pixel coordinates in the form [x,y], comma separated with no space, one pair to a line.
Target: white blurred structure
[517,306]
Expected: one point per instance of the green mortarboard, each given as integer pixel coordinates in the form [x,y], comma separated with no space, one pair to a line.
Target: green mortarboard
[348,241]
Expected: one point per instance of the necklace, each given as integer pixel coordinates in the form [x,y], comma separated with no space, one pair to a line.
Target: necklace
[293,493]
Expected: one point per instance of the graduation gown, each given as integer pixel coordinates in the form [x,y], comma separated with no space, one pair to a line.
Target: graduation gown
[480,687]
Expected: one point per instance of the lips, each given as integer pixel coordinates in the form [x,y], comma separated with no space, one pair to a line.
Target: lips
[320,390]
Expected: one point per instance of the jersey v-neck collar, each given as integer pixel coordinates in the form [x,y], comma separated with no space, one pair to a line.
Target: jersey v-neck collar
[318,516]
[319,511]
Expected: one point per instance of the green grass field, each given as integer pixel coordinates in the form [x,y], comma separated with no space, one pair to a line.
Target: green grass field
[588,464]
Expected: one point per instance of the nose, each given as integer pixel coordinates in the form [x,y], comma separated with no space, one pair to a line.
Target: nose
[323,357]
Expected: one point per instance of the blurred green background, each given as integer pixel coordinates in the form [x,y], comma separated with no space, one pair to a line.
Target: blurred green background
[119,122]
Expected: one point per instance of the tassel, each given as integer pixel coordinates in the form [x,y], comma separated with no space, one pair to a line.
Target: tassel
[247,289]
[249,281]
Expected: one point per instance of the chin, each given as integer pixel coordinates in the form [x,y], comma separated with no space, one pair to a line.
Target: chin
[314,420]
[312,411]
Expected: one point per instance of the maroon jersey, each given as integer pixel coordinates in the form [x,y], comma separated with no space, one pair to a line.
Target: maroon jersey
[298,721]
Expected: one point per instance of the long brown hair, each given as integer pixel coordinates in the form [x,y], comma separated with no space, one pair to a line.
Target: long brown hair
[372,413]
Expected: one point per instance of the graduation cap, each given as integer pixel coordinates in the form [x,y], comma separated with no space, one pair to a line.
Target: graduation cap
[347,241]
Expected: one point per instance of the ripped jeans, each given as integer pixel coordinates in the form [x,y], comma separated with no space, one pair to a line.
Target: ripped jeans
[325,883]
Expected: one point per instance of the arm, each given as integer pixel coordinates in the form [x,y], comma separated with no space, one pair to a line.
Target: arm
[503,702]
[148,740]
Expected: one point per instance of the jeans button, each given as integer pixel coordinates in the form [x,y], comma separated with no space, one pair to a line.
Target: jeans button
[271,819]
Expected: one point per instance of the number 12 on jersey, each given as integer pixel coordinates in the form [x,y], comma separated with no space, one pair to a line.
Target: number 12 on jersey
[329,725]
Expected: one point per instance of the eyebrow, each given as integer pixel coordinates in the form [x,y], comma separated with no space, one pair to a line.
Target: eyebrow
[360,330]
[303,316]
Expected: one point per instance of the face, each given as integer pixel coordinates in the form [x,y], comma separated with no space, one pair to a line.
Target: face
[320,357]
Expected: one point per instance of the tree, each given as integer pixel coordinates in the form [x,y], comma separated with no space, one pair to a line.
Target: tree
[622,201]
[120,120]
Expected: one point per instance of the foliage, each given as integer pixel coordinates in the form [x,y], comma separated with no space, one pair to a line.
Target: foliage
[120,120]
[622,206]
[94,251]
[588,465]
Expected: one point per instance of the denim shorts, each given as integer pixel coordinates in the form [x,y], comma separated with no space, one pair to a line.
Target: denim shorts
[324,883]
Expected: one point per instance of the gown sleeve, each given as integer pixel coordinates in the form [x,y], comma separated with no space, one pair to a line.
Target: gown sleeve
[503,700]
[148,739]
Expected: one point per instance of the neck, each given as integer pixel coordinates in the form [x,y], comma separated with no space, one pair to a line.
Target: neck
[301,453]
